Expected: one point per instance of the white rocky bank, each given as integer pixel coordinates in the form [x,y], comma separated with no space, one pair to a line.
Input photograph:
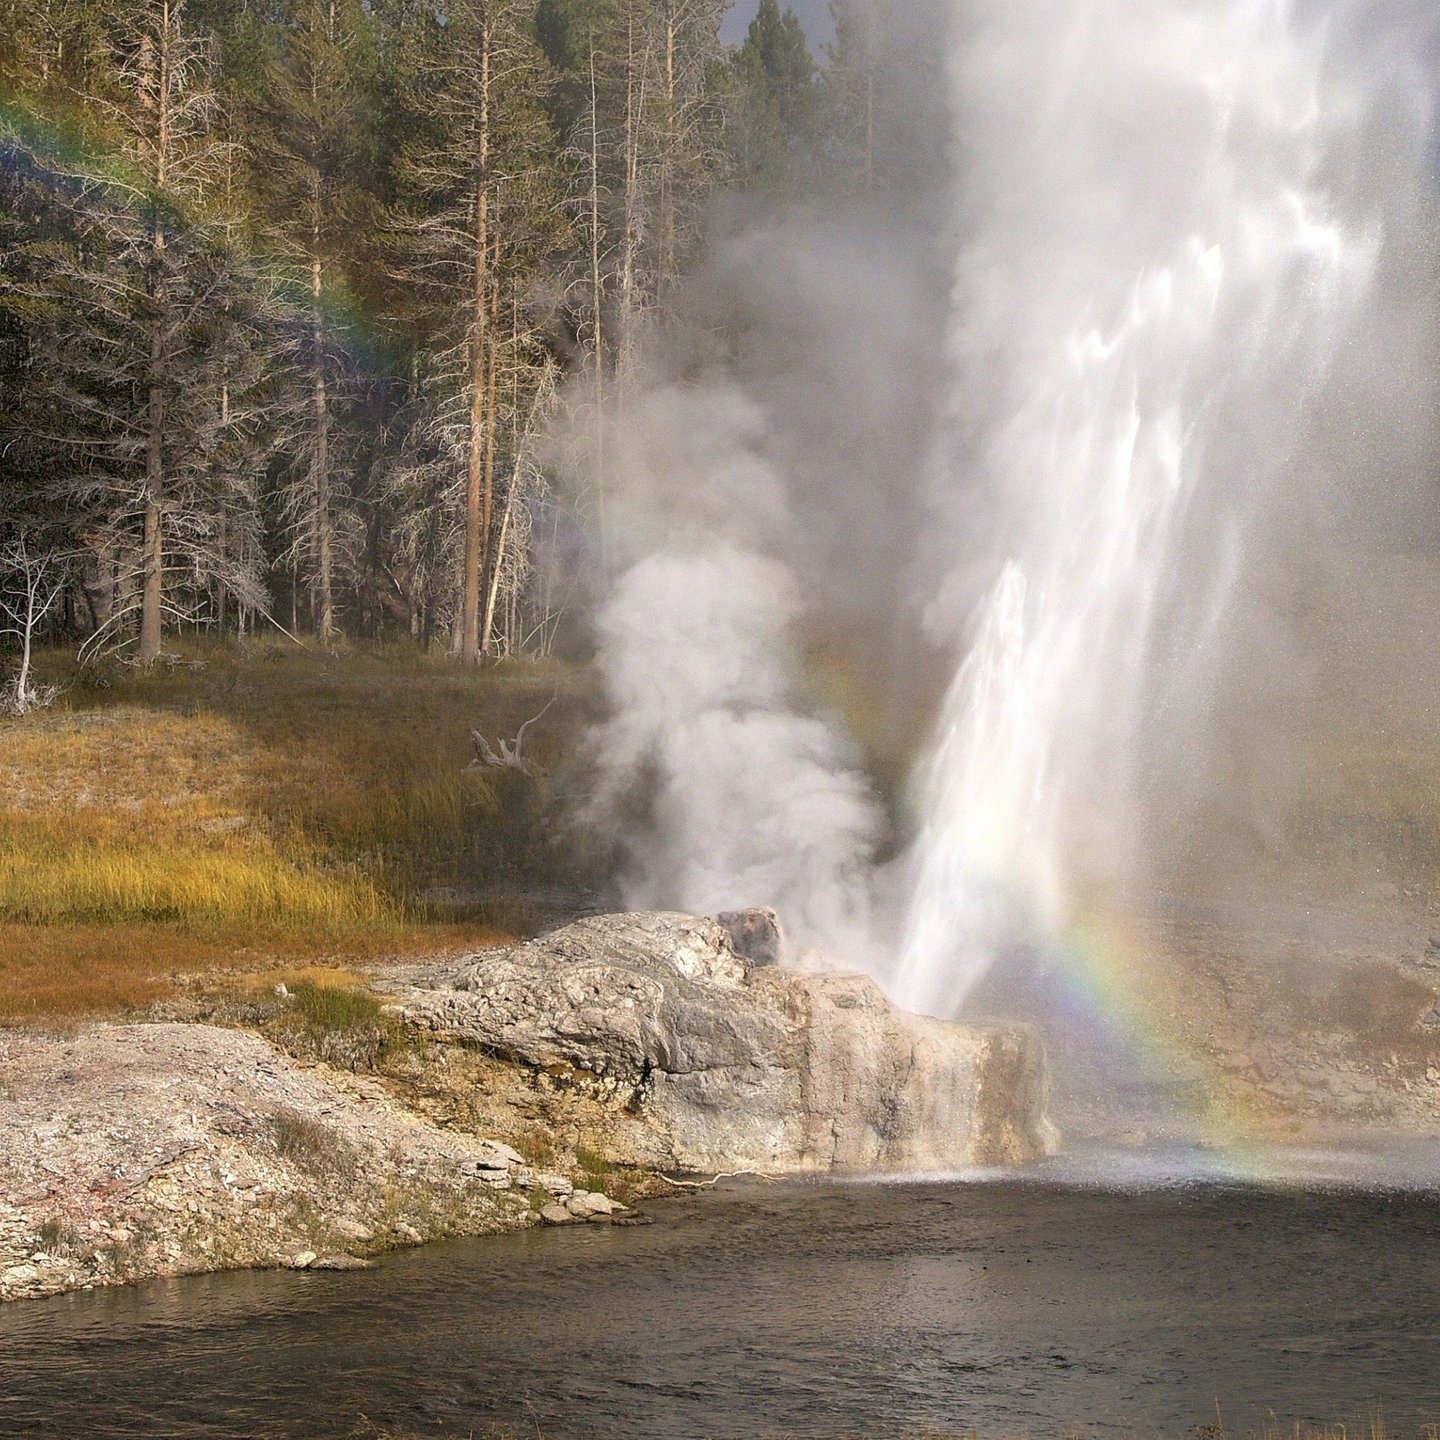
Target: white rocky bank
[129,1151]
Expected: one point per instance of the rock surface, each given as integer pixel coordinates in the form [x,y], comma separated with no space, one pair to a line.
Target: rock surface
[737,1065]
[128,1151]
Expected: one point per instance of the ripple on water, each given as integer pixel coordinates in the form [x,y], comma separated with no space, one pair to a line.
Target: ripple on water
[802,1309]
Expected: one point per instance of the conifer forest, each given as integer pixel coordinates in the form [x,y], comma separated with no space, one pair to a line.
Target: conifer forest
[296,297]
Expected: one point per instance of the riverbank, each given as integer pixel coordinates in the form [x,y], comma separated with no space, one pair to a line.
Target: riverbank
[317,1124]
[176,844]
[138,1151]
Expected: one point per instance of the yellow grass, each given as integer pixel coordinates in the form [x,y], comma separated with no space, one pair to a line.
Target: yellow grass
[51,872]
[261,810]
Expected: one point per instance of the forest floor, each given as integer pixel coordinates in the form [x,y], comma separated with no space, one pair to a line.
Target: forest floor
[272,810]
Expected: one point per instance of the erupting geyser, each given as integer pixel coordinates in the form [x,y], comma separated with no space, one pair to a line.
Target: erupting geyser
[1162,258]
[1172,217]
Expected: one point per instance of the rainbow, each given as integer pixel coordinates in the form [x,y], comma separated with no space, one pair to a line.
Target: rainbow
[1113,988]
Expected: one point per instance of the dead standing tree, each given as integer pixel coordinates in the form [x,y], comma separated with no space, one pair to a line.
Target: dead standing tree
[480,214]
[306,171]
[166,120]
[32,579]
[646,154]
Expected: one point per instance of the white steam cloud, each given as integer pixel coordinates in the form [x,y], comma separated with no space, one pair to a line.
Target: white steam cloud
[745,801]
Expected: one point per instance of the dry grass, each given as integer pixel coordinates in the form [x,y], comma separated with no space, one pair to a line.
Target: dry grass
[313,1147]
[263,810]
[59,971]
[64,870]
[66,971]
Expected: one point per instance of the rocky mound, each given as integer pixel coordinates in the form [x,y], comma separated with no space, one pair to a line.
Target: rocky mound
[736,1063]
[137,1150]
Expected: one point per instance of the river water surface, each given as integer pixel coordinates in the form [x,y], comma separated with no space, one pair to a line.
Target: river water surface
[1032,1308]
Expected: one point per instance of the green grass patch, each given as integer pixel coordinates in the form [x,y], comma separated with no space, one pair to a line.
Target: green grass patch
[329,1007]
[338,1024]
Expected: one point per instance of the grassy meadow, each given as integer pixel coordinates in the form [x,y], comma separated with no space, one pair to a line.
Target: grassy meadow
[269,808]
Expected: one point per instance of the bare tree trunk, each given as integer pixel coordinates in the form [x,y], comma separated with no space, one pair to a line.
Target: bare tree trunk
[22,680]
[325,622]
[510,611]
[495,573]
[497,564]
[479,419]
[667,179]
[152,561]
[634,107]
[320,455]
[492,365]
[222,548]
[153,550]
[597,298]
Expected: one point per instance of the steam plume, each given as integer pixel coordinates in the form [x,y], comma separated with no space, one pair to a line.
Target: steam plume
[747,801]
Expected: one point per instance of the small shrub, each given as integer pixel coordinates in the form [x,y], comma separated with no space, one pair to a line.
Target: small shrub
[340,1026]
[619,1182]
[313,1147]
[328,1007]
[128,1251]
[18,702]
[56,1237]
[538,1148]
[595,1170]
[97,677]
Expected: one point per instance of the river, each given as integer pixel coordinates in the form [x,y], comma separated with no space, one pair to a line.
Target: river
[1045,1306]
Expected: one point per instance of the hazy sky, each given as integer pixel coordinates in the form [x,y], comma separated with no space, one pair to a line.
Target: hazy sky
[814,15]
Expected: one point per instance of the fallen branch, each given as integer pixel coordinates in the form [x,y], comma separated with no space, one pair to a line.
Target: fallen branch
[283,630]
[510,757]
[716,1179]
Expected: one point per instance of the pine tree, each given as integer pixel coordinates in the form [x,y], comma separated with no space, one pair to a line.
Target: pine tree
[185,400]
[52,50]
[480,220]
[881,120]
[777,94]
[307,152]
[148,325]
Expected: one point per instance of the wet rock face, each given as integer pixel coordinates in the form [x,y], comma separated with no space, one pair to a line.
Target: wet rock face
[738,1063]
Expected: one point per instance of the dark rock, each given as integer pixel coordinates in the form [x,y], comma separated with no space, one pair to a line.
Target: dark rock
[755,934]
